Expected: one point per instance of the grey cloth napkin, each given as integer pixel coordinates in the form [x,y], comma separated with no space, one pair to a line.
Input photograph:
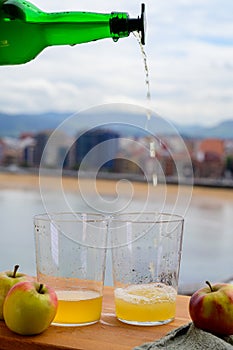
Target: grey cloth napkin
[188,337]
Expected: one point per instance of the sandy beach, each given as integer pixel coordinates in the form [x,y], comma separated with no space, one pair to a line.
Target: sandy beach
[107,187]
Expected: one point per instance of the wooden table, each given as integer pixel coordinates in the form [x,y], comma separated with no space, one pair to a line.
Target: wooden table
[107,334]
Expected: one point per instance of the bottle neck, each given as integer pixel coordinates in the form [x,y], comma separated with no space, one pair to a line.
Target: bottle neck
[74,28]
[119,25]
[79,27]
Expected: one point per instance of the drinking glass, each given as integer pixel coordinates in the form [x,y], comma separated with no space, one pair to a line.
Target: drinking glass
[70,257]
[146,253]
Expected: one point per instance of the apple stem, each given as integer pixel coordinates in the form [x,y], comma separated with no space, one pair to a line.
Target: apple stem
[15,271]
[40,289]
[208,283]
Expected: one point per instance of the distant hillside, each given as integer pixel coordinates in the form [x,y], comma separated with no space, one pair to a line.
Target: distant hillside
[225,129]
[222,130]
[14,125]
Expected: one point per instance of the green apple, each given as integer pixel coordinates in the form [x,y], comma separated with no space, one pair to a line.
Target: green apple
[7,280]
[29,307]
[211,308]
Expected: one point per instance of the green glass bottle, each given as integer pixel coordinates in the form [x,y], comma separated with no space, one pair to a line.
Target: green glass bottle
[25,30]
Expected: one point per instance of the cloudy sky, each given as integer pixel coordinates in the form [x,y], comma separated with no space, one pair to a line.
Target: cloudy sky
[189,48]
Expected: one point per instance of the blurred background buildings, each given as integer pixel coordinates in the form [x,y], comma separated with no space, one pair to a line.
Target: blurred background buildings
[211,158]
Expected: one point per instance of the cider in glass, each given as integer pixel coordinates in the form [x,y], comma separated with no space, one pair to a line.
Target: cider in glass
[146,304]
[78,307]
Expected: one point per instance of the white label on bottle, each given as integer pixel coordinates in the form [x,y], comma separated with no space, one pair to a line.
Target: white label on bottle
[54,243]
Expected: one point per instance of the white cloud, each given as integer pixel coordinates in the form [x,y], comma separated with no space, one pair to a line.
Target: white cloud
[189,47]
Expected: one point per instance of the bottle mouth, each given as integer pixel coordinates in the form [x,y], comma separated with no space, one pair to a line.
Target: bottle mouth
[138,24]
[143,23]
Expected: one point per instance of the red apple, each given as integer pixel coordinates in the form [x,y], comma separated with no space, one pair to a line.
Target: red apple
[7,280]
[211,308]
[29,308]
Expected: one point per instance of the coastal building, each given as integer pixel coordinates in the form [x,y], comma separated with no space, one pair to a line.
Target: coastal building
[209,158]
[41,139]
[27,146]
[2,151]
[96,149]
